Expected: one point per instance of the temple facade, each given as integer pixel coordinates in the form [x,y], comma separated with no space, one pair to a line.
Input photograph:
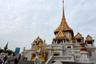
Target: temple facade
[66,48]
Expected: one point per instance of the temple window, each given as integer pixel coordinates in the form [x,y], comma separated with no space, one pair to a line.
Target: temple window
[90,53]
[78,40]
[68,46]
[53,61]
[33,55]
[56,54]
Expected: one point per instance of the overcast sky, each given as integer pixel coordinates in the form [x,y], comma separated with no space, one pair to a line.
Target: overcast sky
[21,21]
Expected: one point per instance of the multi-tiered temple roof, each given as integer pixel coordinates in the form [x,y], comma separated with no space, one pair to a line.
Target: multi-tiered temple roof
[63,25]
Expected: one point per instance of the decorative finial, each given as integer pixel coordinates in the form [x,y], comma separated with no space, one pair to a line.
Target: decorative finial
[63,1]
[63,8]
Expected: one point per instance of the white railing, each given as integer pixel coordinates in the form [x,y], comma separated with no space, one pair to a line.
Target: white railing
[64,58]
[49,61]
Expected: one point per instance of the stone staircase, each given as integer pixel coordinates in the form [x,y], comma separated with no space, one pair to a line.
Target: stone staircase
[25,62]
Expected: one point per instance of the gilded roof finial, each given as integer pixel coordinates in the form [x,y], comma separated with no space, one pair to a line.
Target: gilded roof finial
[63,8]
[63,25]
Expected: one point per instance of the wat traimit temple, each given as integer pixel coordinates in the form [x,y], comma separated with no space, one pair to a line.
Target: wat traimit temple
[66,48]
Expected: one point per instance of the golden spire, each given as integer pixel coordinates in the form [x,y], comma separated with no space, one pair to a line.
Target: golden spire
[63,25]
[63,8]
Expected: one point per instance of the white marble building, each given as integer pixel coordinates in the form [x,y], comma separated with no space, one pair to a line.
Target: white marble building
[67,48]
